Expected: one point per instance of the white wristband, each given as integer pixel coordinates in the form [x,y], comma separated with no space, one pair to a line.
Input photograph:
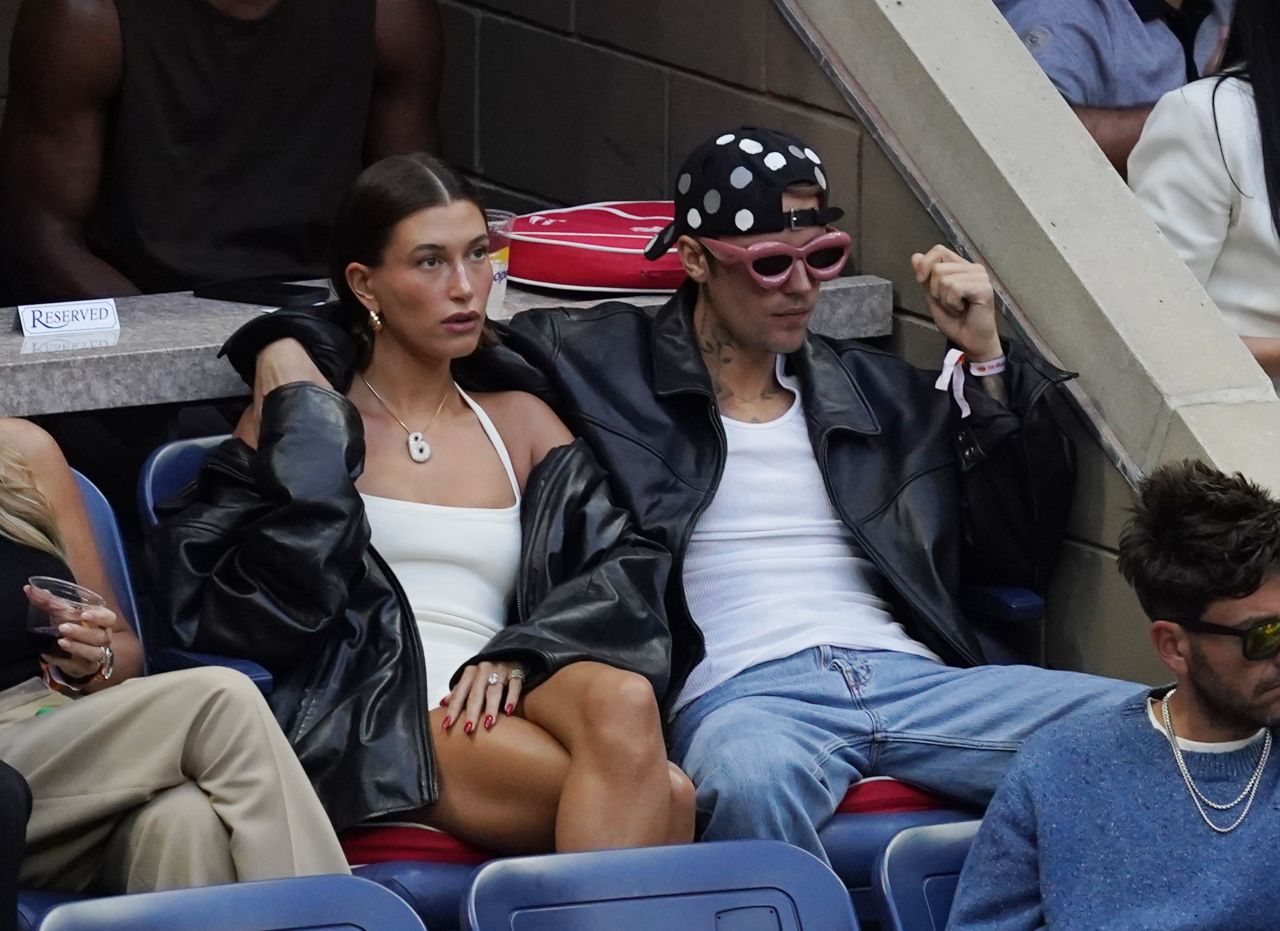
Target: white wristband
[990,367]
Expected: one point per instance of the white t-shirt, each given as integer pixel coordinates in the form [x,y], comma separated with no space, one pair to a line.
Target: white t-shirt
[771,569]
[1199,746]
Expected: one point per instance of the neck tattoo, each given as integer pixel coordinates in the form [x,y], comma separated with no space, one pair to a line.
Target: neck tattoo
[419,448]
[1246,795]
[721,353]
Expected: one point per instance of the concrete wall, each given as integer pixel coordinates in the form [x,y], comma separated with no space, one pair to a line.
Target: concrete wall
[578,100]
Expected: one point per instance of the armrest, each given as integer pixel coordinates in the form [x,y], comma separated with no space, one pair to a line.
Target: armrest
[1005,605]
[171,660]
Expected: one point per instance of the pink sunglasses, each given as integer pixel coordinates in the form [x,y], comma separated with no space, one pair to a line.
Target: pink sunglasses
[771,263]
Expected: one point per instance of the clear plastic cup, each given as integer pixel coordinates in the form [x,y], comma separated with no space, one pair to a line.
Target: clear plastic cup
[68,602]
[500,257]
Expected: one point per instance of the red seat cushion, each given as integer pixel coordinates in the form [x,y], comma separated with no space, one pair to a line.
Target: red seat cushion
[882,796]
[383,843]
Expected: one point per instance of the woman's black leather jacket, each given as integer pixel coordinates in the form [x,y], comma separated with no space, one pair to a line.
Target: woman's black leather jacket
[267,556]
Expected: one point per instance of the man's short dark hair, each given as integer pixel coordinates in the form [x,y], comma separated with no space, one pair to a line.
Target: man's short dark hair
[1197,536]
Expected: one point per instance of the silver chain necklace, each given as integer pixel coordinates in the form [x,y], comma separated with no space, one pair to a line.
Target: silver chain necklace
[1250,789]
[419,448]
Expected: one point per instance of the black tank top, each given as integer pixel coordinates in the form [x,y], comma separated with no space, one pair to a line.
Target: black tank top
[19,659]
[232,141]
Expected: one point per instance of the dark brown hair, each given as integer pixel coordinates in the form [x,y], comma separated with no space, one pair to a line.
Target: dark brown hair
[1197,536]
[384,194]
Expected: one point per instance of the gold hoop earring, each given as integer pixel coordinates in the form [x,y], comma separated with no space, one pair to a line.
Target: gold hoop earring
[375,321]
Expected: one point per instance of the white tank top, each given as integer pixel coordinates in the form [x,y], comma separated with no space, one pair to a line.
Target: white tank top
[457,567]
[771,569]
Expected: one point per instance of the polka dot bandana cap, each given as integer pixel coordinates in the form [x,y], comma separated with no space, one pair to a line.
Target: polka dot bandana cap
[732,184]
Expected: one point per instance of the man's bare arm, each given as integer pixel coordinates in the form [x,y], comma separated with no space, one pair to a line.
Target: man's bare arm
[408,67]
[1115,131]
[64,73]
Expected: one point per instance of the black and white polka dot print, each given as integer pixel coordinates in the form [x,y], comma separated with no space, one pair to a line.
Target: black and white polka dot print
[733,184]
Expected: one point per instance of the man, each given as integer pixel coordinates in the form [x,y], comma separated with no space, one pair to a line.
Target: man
[1113,59]
[1161,811]
[149,145]
[822,501]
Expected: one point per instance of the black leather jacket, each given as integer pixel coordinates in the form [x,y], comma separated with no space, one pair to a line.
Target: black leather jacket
[933,499]
[267,557]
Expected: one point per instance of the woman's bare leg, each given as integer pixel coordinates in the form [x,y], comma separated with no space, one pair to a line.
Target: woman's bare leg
[680,821]
[617,791]
[499,789]
[510,789]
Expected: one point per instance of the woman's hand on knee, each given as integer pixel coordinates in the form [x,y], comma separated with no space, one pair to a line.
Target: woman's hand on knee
[483,692]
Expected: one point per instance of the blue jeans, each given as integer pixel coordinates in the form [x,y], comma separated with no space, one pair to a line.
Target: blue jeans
[774,750]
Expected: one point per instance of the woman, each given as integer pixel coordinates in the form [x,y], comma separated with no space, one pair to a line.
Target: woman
[386,537]
[137,783]
[1207,170]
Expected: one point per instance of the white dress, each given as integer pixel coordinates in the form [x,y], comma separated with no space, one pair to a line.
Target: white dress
[457,567]
[1206,190]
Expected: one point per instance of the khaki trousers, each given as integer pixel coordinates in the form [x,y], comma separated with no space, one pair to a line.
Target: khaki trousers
[166,781]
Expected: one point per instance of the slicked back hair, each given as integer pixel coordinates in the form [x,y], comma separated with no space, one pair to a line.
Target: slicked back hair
[1198,536]
[385,193]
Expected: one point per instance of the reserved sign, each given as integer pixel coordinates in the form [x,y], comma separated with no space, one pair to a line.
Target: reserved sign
[68,317]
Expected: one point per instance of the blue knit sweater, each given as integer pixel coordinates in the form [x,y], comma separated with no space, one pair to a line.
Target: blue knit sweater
[1094,829]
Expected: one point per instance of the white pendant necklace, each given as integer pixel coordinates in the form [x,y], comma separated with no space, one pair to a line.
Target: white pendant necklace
[1250,787]
[419,448]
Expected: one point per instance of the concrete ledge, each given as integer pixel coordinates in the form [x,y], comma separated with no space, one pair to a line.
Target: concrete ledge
[168,343]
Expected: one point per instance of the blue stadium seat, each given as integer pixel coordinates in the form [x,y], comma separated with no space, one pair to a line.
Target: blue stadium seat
[916,876]
[435,890]
[33,906]
[854,843]
[314,903]
[724,886]
[106,536]
[168,470]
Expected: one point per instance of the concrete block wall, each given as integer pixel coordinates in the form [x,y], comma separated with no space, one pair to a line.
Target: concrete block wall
[569,101]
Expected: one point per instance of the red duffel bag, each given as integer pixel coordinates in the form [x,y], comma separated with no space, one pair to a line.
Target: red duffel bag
[595,247]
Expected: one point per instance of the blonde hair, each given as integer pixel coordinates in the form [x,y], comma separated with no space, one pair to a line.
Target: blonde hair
[25,515]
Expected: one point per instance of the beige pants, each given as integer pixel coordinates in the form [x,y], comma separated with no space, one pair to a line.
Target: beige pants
[181,779]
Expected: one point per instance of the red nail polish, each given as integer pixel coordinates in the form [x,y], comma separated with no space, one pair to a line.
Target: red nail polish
[444,702]
[511,709]
[488,722]
[468,728]
[447,722]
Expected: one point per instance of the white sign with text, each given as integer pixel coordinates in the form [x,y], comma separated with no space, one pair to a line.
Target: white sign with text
[68,317]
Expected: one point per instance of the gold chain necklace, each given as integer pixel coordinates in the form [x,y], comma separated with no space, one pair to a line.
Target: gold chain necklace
[419,448]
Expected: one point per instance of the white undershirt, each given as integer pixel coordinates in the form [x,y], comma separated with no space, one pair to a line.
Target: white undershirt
[1198,746]
[771,569]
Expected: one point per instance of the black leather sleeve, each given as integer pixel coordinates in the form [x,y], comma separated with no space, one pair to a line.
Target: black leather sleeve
[261,560]
[318,329]
[1017,474]
[590,588]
